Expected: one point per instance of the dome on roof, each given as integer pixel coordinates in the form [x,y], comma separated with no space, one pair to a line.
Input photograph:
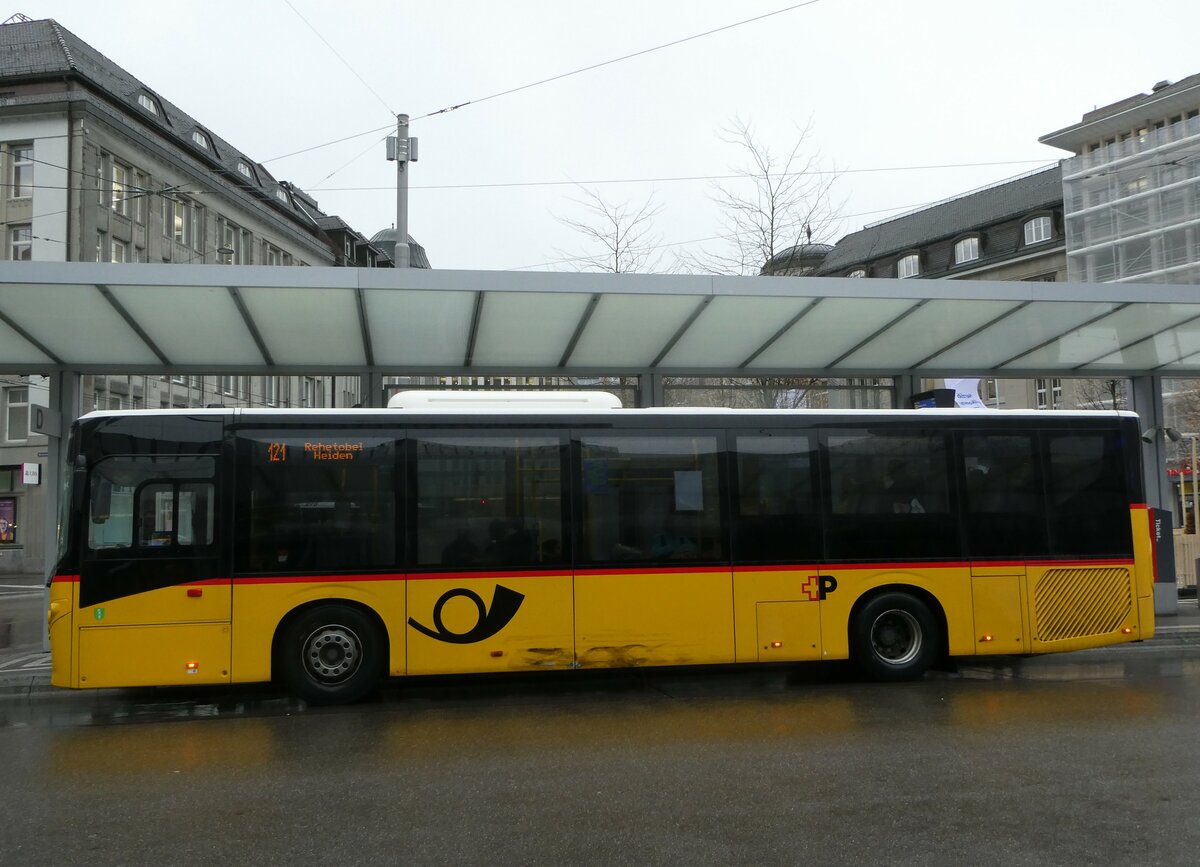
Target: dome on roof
[796,261]
[385,239]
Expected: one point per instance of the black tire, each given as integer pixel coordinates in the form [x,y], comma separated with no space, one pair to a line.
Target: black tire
[894,637]
[332,654]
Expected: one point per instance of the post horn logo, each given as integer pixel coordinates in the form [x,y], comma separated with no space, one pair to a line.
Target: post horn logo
[505,603]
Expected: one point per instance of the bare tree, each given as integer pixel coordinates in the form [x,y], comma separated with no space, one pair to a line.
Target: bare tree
[1101,394]
[621,237]
[785,199]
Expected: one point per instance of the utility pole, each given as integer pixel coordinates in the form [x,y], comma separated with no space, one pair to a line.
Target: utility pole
[403,150]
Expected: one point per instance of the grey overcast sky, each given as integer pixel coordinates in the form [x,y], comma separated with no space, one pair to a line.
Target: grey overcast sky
[892,88]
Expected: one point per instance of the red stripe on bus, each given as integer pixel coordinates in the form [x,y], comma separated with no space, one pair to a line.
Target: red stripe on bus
[654,570]
[65,579]
[934,564]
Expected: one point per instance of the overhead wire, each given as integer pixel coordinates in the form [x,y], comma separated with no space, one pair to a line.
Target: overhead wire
[623,57]
[338,55]
[553,78]
[671,179]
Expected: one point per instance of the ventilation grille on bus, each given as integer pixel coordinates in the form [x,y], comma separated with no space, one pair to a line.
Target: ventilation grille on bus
[1073,603]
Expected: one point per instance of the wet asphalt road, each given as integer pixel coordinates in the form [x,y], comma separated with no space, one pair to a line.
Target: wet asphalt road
[1050,761]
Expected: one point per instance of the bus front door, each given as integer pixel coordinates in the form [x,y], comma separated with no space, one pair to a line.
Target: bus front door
[153,607]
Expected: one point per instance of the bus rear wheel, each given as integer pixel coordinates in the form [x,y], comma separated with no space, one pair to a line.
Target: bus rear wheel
[894,637]
[332,654]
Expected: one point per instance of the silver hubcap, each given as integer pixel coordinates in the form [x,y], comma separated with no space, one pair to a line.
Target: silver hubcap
[332,653]
[896,637]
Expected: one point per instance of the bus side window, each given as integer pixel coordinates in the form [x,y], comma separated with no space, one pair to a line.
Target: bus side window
[316,500]
[171,514]
[1004,508]
[1089,506]
[650,496]
[151,502]
[890,496]
[489,500]
[775,506]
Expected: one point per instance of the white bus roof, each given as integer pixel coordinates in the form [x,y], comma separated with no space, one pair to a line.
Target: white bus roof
[468,401]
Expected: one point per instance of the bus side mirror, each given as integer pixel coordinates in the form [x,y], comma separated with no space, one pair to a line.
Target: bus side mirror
[101,500]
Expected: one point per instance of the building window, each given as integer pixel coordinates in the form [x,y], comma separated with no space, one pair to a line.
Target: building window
[908,266]
[120,251]
[20,243]
[184,222]
[1037,230]
[270,390]
[8,515]
[147,103]
[141,185]
[1048,393]
[234,249]
[226,385]
[120,192]
[16,414]
[282,196]
[244,168]
[966,250]
[22,171]
[858,272]
[200,139]
[272,255]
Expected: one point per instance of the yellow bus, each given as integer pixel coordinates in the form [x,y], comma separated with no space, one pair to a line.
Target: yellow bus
[329,549]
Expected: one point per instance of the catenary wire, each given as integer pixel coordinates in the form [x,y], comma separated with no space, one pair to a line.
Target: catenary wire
[338,55]
[552,78]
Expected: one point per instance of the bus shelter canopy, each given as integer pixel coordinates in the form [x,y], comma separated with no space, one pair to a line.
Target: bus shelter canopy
[215,318]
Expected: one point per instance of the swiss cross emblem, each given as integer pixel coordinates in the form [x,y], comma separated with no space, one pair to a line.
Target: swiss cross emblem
[818,587]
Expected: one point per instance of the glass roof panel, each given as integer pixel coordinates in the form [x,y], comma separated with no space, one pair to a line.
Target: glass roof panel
[84,327]
[1132,327]
[15,349]
[828,331]
[304,326]
[630,330]
[933,326]
[730,330]
[527,328]
[419,328]
[1172,350]
[168,316]
[1027,328]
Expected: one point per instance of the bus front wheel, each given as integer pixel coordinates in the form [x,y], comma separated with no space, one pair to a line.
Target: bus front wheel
[894,637]
[332,654]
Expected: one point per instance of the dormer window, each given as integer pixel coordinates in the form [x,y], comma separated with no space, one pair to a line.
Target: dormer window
[282,196]
[147,102]
[858,272]
[966,250]
[244,168]
[201,139]
[1037,230]
[908,266]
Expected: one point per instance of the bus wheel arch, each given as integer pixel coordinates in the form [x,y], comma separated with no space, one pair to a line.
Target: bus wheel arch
[897,632]
[330,651]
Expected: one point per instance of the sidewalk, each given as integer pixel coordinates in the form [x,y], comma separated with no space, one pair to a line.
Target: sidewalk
[25,666]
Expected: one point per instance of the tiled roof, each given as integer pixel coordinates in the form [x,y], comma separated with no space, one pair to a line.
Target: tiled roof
[972,211]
